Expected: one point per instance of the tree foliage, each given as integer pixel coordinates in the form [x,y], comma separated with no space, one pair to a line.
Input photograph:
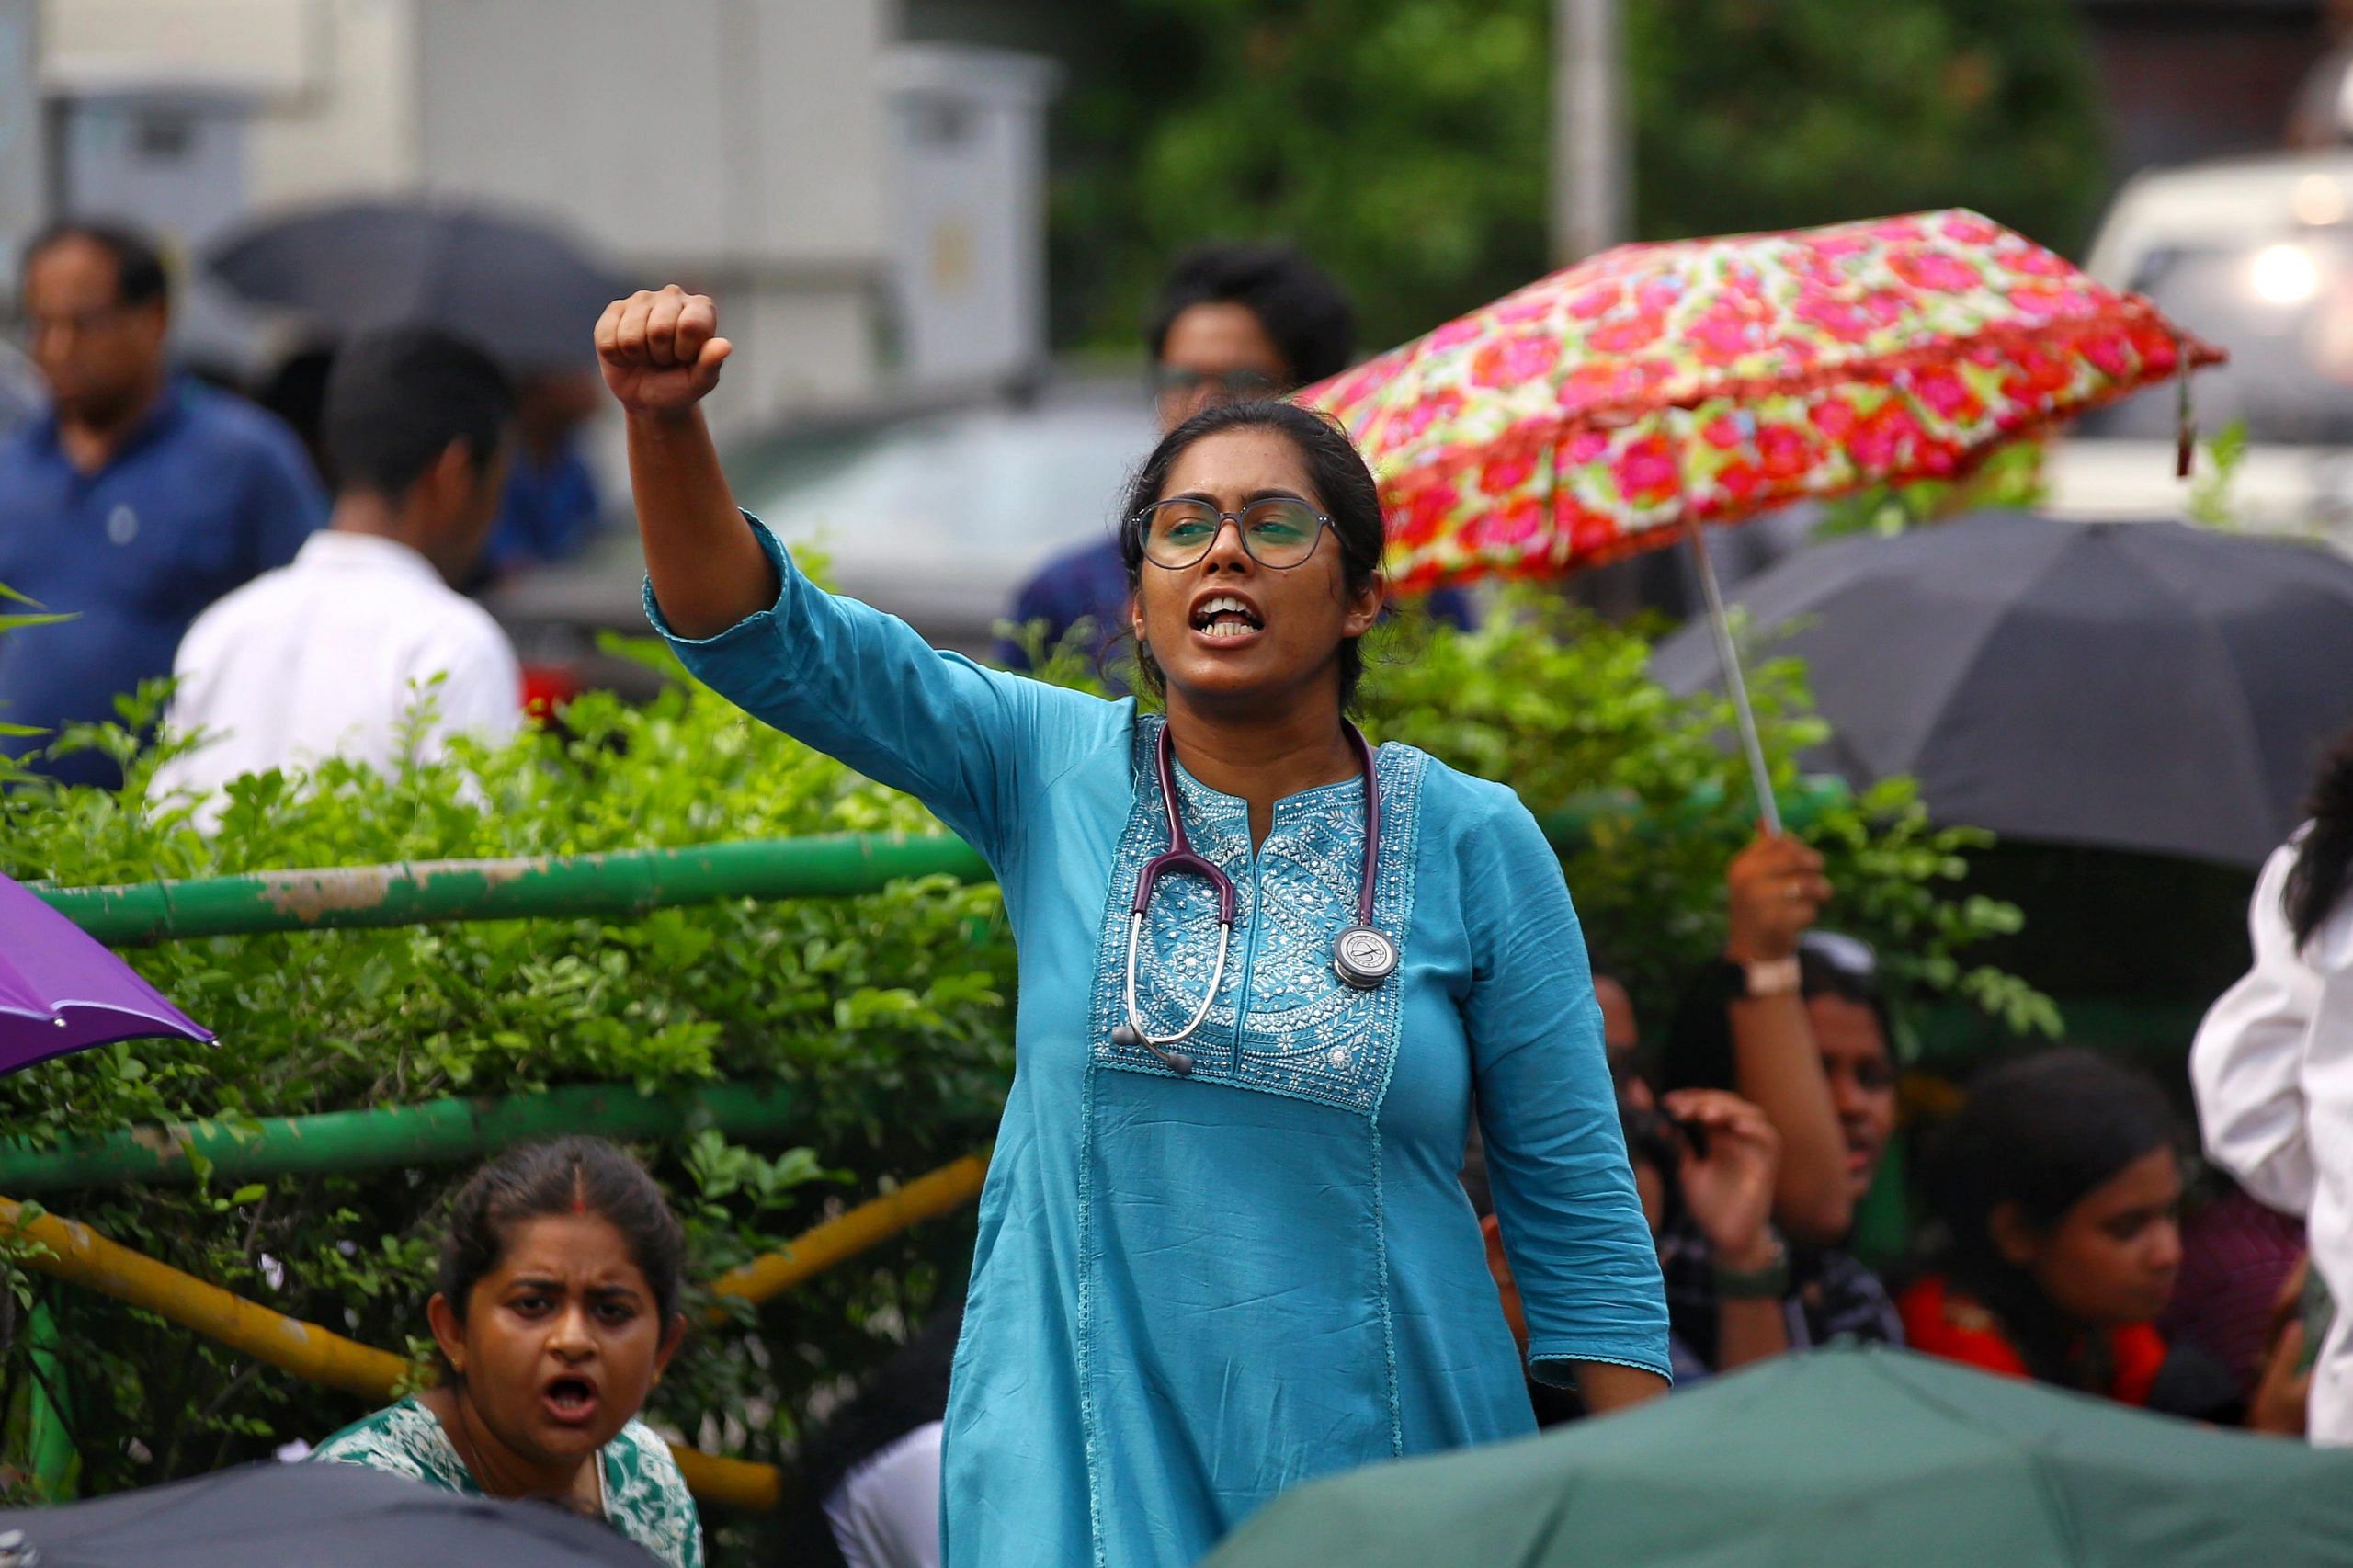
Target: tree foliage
[1405,143]
[1561,703]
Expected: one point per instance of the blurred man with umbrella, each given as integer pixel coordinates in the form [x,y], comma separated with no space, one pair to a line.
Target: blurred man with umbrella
[521,289]
[137,500]
[1233,322]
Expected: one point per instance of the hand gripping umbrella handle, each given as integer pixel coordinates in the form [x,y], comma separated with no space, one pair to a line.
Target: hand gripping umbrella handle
[1769,809]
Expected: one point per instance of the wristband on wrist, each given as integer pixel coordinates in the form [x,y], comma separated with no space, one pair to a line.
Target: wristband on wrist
[1765,977]
[1769,1283]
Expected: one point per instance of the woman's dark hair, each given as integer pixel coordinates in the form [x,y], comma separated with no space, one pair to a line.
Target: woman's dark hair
[2041,1133]
[1301,309]
[1699,1049]
[570,1175]
[2325,861]
[1335,472]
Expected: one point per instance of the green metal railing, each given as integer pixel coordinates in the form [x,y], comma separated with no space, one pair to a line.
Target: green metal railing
[49,1441]
[632,881]
[617,884]
[621,883]
[431,1131]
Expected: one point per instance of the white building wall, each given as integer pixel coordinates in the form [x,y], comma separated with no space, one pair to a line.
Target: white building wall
[352,129]
[21,174]
[968,161]
[735,146]
[261,47]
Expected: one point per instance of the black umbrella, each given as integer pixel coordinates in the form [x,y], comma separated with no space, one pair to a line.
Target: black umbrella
[520,289]
[321,1516]
[2127,686]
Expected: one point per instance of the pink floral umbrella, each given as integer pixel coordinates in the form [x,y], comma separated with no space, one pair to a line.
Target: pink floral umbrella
[1617,405]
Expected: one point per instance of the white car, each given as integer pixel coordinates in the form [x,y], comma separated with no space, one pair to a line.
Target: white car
[940,519]
[2255,255]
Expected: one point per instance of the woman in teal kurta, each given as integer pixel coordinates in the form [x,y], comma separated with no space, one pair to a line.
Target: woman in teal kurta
[1192,1291]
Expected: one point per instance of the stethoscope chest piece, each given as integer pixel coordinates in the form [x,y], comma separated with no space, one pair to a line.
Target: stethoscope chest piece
[1363,957]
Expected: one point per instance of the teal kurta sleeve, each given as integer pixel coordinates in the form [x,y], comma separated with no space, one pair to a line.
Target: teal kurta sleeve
[864,688]
[1580,1250]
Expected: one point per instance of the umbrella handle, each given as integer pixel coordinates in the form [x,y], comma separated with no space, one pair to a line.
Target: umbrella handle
[1768,808]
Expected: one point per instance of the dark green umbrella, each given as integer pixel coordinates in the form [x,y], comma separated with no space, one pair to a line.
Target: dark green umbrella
[1877,1459]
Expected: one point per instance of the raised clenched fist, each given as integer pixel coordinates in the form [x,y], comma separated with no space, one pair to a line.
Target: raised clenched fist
[660,349]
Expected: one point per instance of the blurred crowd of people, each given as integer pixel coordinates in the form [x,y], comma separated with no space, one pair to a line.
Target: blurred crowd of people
[342,513]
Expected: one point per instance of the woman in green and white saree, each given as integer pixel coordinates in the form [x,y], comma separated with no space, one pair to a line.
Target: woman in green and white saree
[557,1313]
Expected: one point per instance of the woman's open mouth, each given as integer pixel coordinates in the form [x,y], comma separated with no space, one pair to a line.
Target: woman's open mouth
[569,1401]
[1226,618]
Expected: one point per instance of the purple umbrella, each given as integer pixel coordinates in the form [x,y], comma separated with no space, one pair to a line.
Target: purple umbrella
[60,991]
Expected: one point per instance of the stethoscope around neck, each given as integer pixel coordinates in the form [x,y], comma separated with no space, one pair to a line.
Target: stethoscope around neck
[1361,955]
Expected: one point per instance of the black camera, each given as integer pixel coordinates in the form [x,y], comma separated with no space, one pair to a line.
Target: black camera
[1661,1138]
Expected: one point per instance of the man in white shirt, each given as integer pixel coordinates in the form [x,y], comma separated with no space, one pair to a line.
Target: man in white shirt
[360,647]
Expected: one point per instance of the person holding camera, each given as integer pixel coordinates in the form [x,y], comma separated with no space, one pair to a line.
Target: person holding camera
[1705,1164]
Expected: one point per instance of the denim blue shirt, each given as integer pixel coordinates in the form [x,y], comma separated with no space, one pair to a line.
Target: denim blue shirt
[1191,1294]
[207,493]
[1087,582]
[548,514]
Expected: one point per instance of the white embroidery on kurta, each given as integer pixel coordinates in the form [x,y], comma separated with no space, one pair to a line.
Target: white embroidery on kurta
[1305,1032]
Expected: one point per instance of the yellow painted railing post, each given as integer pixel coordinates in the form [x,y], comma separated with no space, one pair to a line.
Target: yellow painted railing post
[77,1253]
[817,1249]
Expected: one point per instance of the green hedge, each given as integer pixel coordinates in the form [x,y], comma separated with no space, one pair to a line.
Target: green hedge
[888,1012]
[891,1013]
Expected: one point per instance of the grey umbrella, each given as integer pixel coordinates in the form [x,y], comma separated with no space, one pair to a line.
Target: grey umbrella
[520,288]
[320,1516]
[2128,686]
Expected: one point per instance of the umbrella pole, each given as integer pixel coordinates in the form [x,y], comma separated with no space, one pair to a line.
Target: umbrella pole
[1767,808]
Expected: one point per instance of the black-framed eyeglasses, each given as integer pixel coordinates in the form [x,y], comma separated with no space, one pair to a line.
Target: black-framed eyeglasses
[1230,386]
[1280,531]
